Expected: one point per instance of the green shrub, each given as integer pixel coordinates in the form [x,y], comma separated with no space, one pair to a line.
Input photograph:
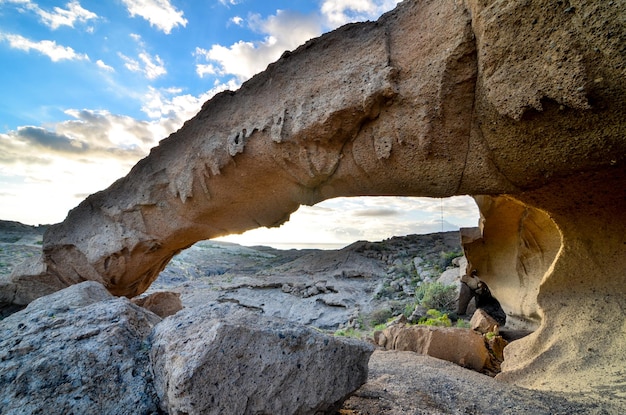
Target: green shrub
[408,310]
[380,327]
[347,333]
[380,316]
[437,296]
[436,319]
[446,258]
[463,324]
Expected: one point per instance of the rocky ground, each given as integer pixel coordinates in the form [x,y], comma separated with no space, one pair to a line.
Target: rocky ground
[17,243]
[342,291]
[405,383]
[358,286]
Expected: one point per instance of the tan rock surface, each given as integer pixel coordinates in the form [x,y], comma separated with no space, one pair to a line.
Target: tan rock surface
[483,323]
[401,383]
[162,303]
[436,98]
[461,346]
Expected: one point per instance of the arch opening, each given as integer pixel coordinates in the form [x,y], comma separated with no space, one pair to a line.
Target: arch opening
[338,222]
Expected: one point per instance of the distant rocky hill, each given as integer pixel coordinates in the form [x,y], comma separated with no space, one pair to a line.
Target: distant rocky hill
[17,243]
[356,286]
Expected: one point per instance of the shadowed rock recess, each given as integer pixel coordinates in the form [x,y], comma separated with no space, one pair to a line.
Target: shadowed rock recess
[522,102]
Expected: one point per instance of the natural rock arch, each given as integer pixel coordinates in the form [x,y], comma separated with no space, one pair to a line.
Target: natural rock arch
[437,98]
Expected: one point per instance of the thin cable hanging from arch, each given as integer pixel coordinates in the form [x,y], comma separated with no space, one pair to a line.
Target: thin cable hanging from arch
[442,215]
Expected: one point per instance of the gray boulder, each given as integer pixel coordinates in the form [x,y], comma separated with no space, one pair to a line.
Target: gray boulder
[225,359]
[79,350]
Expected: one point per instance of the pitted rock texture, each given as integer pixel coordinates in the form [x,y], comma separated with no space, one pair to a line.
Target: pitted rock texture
[230,360]
[436,98]
[79,351]
[401,383]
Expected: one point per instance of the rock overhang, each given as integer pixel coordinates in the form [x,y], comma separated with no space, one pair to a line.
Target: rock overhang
[436,98]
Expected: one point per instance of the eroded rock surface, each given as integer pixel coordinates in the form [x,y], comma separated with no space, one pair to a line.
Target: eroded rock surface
[436,98]
[163,303]
[464,347]
[401,383]
[372,108]
[229,360]
[79,351]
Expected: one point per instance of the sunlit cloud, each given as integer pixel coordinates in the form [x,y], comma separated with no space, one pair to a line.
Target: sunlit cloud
[48,48]
[206,69]
[72,14]
[104,66]
[340,12]
[230,2]
[238,20]
[283,31]
[159,13]
[49,166]
[66,17]
[173,105]
[342,221]
[152,67]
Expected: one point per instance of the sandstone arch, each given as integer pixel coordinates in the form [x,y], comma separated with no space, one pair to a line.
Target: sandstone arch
[436,98]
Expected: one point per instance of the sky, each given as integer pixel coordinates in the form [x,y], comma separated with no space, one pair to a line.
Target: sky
[89,86]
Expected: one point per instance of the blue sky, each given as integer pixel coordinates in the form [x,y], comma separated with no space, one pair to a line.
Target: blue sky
[89,86]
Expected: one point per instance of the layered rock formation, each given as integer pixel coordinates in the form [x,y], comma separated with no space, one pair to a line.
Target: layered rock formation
[437,98]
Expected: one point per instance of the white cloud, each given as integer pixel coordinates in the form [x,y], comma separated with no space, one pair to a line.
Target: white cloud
[284,31]
[152,67]
[206,69]
[137,38]
[160,13]
[170,104]
[66,17]
[48,166]
[104,66]
[230,2]
[340,12]
[48,48]
[345,220]
[238,20]
[58,17]
[53,164]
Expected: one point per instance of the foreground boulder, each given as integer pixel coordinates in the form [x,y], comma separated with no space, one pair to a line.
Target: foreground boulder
[457,345]
[79,351]
[229,360]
